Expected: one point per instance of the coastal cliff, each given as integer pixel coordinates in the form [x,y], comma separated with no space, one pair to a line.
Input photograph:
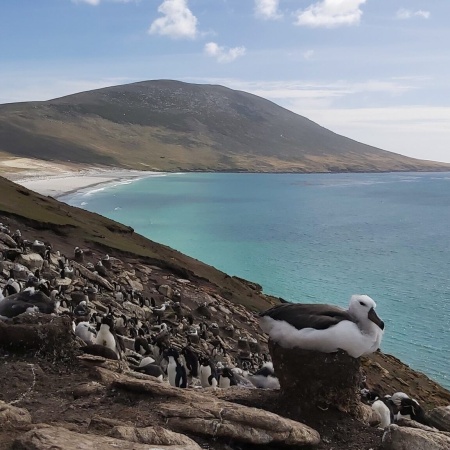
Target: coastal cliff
[53,382]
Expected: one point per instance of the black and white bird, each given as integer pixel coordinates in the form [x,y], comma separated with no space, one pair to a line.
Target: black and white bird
[227,378]
[191,361]
[176,372]
[86,332]
[142,346]
[12,287]
[384,410]
[192,335]
[82,310]
[152,369]
[264,378]
[411,409]
[100,350]
[160,311]
[146,360]
[107,337]
[326,328]
[207,372]
[29,300]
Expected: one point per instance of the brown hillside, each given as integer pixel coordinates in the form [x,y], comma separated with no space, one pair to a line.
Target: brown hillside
[173,126]
[68,226]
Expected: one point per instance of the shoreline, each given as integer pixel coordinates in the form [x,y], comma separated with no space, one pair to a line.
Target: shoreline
[59,180]
[58,186]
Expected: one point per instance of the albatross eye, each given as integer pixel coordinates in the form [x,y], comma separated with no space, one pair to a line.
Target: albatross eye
[362,303]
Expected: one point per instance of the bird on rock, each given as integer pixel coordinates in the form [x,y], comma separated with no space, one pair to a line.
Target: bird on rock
[106,336]
[28,300]
[326,328]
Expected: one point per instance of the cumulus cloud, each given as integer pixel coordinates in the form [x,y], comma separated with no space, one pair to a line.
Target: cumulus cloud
[267,9]
[223,54]
[330,13]
[177,22]
[404,14]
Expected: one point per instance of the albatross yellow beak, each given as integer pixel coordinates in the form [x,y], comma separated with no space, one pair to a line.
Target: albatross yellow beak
[373,316]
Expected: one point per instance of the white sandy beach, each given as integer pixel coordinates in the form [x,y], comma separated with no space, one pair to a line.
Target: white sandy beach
[57,180]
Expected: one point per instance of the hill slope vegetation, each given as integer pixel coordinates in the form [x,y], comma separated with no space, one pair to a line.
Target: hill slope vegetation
[173,126]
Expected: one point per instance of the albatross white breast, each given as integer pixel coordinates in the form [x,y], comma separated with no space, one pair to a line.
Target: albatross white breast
[326,328]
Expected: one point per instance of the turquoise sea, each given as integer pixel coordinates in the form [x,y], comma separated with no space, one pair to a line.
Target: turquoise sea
[313,238]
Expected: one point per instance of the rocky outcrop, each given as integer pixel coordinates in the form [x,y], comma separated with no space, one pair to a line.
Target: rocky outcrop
[43,332]
[86,389]
[93,276]
[7,240]
[311,380]
[203,414]
[11,415]
[48,437]
[153,435]
[440,418]
[32,261]
[239,423]
[403,438]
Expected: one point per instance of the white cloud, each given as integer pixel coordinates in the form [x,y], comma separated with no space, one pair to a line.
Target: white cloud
[177,21]
[97,2]
[223,54]
[325,93]
[330,13]
[89,2]
[267,9]
[47,86]
[308,54]
[418,131]
[405,14]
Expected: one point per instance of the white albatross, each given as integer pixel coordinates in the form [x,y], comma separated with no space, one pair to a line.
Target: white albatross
[326,328]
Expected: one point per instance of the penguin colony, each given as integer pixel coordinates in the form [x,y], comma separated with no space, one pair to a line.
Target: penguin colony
[148,320]
[165,327]
[392,408]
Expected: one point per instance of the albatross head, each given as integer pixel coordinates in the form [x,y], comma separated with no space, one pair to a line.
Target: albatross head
[362,307]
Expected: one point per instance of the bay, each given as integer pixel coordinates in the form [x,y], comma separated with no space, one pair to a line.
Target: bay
[313,238]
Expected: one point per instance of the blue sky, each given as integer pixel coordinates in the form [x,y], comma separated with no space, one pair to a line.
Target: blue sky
[377,71]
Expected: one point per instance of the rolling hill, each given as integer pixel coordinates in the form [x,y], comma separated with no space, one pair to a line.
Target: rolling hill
[173,126]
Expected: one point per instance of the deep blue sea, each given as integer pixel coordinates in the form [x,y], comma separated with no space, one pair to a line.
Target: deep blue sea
[313,238]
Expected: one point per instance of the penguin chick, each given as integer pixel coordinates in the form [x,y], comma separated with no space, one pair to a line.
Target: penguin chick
[265,378]
[384,412]
[86,332]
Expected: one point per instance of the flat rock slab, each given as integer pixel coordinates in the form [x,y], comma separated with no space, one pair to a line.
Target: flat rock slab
[32,261]
[153,435]
[204,414]
[237,422]
[59,438]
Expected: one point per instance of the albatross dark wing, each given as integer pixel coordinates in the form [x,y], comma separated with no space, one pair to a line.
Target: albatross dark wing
[16,304]
[302,316]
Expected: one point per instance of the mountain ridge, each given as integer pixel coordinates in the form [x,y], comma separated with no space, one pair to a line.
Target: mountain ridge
[169,125]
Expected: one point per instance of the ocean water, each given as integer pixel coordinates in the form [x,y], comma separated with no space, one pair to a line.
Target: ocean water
[315,238]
